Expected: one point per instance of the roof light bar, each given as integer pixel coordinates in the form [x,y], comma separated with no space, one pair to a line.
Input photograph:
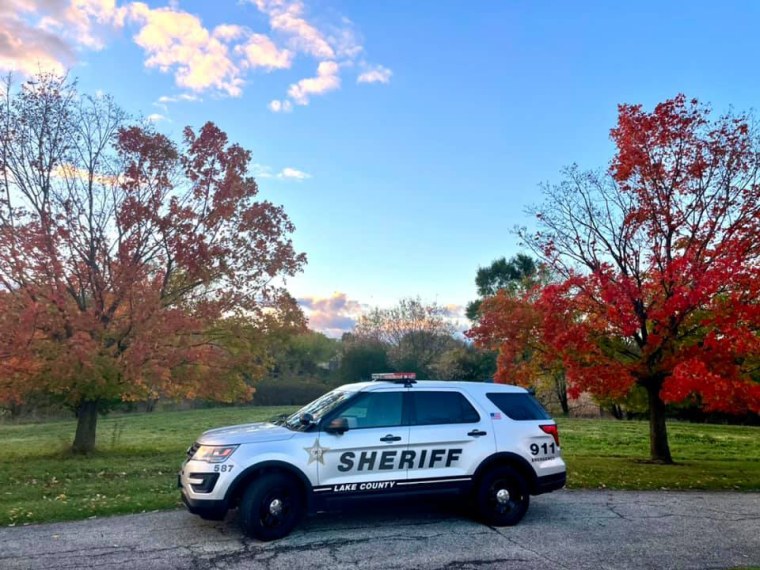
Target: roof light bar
[394,376]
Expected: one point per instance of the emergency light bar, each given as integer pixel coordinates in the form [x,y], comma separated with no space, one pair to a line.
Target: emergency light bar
[405,377]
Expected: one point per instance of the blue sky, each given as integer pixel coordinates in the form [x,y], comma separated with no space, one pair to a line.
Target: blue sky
[403,183]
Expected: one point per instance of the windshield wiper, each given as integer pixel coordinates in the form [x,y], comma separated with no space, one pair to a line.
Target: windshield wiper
[279,419]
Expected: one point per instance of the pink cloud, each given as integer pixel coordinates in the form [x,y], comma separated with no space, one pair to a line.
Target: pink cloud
[46,34]
[332,315]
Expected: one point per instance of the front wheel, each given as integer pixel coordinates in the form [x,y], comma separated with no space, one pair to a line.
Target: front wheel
[502,498]
[271,507]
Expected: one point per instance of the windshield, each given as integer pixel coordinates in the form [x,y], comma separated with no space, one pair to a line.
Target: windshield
[318,409]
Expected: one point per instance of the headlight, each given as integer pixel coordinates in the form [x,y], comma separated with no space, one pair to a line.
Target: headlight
[214,453]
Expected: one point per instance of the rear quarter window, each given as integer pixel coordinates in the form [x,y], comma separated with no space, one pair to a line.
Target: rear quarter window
[519,406]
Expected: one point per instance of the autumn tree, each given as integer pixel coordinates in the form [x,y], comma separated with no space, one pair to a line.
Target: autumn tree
[513,276]
[360,357]
[512,326]
[660,259]
[131,266]
[304,354]
[415,333]
[464,361]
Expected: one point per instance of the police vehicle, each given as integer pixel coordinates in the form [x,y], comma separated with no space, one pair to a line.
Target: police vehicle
[493,444]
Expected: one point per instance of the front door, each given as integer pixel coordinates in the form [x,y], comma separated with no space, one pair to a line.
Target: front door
[367,457]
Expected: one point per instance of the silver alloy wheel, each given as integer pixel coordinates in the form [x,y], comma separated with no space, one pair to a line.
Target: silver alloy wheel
[275,507]
[502,496]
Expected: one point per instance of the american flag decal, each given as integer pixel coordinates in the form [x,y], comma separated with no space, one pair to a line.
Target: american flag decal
[495,416]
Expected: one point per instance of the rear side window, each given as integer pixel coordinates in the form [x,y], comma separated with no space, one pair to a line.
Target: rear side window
[519,406]
[432,408]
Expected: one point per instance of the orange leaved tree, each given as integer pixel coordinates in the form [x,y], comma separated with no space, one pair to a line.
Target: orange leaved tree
[131,267]
[660,266]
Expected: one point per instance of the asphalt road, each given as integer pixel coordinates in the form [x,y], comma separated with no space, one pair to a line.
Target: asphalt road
[566,529]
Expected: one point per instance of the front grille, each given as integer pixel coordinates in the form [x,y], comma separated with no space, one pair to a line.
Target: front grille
[192,449]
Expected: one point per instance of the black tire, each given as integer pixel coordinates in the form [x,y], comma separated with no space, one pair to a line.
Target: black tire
[271,507]
[213,515]
[500,509]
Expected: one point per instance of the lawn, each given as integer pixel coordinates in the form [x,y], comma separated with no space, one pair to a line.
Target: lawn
[138,455]
[612,454]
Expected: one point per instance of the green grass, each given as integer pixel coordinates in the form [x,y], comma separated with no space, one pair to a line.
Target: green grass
[134,469]
[612,454]
[138,455]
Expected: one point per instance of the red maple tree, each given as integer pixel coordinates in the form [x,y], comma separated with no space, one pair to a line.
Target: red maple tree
[130,267]
[660,259]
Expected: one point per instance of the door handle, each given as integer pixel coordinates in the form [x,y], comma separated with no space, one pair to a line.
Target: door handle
[389,438]
[476,433]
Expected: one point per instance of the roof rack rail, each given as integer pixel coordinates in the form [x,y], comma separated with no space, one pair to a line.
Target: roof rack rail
[406,378]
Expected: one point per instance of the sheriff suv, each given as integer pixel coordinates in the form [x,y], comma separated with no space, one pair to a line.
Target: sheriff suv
[489,443]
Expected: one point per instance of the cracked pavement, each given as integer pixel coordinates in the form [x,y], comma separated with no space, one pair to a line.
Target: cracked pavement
[566,529]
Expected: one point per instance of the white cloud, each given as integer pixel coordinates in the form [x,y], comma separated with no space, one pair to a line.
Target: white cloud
[327,79]
[340,44]
[288,173]
[229,32]
[52,34]
[277,106]
[378,74]
[164,99]
[260,51]
[156,118]
[261,171]
[286,17]
[345,40]
[83,14]
[177,41]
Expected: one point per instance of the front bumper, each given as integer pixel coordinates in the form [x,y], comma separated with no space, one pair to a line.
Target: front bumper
[212,510]
[204,490]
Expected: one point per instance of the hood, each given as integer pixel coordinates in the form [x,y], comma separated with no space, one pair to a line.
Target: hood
[245,433]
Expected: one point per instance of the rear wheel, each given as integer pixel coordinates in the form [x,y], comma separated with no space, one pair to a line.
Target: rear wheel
[502,498]
[271,507]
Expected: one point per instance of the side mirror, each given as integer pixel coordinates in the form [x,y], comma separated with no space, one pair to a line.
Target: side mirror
[306,419]
[337,426]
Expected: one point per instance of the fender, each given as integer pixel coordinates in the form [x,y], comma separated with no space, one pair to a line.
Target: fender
[508,458]
[235,489]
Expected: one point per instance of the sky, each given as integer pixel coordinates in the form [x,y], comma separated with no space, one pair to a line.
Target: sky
[406,140]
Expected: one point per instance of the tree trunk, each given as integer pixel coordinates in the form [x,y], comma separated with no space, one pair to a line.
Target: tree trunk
[560,386]
[659,450]
[617,411]
[87,421]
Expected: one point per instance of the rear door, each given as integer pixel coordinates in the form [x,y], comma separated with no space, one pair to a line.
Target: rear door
[366,458]
[448,438]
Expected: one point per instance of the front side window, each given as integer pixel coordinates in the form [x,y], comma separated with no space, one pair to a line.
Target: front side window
[374,410]
[432,408]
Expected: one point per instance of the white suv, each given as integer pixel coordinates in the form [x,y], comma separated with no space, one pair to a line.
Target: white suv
[491,443]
